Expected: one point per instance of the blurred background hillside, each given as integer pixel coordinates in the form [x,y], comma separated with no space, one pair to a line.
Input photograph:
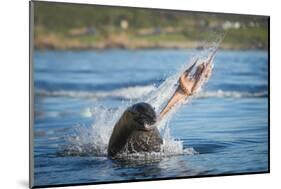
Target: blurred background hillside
[69,26]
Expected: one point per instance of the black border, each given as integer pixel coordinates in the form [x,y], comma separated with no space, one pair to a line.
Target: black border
[136,180]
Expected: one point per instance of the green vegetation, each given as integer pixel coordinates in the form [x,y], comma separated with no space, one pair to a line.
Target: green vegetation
[69,26]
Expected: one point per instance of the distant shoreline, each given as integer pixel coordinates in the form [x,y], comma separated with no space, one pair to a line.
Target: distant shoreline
[136,45]
[72,27]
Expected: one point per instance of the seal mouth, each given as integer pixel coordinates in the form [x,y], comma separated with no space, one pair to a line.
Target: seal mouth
[146,121]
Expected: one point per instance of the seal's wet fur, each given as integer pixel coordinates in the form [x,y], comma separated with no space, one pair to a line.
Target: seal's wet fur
[134,132]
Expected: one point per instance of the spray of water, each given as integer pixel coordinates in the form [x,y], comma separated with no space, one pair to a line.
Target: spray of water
[93,139]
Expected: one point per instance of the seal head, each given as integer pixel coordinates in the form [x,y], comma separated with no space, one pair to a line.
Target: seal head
[134,132]
[143,115]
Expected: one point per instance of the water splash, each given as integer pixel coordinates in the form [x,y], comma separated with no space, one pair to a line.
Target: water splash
[93,140]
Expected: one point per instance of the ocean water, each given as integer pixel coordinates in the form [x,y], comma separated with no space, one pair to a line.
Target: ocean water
[79,95]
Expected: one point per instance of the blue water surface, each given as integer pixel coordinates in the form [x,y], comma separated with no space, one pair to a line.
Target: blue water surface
[228,128]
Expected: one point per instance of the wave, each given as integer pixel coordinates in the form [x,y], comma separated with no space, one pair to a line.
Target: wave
[90,86]
[129,93]
[138,92]
[232,94]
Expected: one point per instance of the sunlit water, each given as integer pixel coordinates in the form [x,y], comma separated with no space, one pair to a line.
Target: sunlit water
[80,95]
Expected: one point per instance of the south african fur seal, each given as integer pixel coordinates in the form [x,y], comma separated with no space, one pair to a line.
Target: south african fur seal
[134,132]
